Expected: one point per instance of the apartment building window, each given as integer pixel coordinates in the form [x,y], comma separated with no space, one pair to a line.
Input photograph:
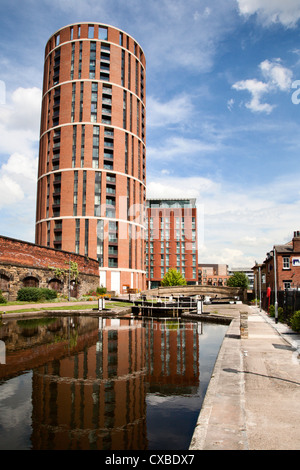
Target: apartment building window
[123,68]
[124,109]
[82,146]
[92,59]
[95,162]
[136,77]
[57,40]
[77,235]
[56,67]
[91,32]
[48,196]
[100,238]
[102,33]
[72,61]
[56,205]
[106,104]
[84,193]
[120,39]
[286,262]
[139,161]
[80,59]
[126,153]
[71,33]
[86,237]
[128,198]
[287,284]
[138,117]
[75,193]
[48,233]
[97,205]
[94,101]
[129,71]
[130,246]
[73,102]
[132,155]
[105,62]
[74,146]
[81,101]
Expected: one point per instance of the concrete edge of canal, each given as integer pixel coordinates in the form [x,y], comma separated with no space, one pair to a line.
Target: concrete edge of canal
[222,410]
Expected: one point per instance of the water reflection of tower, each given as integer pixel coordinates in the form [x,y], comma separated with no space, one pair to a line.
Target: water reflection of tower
[172,356]
[94,398]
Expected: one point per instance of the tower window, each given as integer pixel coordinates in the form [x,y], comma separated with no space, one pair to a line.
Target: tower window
[102,33]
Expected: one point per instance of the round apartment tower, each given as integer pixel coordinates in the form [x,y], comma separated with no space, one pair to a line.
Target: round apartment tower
[91,190]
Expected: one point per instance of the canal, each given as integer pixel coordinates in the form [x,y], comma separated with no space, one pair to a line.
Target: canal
[87,382]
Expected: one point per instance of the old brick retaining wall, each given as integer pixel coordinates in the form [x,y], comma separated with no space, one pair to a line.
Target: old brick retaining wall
[26,264]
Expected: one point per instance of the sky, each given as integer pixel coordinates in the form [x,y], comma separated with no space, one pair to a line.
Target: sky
[222,115]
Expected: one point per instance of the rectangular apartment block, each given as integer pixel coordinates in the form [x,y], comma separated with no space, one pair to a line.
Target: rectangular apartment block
[171,239]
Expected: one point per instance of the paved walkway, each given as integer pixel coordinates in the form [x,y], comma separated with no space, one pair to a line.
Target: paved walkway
[253,399]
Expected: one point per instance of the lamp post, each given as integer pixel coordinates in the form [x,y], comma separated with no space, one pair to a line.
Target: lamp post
[259,280]
[275,281]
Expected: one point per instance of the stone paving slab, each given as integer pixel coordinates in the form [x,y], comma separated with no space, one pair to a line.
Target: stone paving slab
[253,399]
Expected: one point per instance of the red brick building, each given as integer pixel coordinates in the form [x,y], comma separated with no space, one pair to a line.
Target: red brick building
[213,274]
[287,259]
[92,158]
[24,264]
[171,239]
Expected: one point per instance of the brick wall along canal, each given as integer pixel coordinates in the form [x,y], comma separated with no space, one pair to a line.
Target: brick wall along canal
[95,383]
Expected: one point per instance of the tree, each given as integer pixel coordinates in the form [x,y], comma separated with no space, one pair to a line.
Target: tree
[238,280]
[173,278]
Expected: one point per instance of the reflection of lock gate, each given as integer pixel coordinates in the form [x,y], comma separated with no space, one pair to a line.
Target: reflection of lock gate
[2,352]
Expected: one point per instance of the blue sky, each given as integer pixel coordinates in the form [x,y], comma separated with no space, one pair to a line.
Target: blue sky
[222,112]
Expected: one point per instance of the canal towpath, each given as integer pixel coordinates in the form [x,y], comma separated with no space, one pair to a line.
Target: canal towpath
[253,398]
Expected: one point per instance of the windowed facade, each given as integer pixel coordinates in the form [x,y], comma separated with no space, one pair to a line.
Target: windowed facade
[92,162]
[171,236]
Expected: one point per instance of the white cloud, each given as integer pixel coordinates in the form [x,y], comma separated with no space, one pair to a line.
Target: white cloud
[277,78]
[180,147]
[276,75]
[19,137]
[286,12]
[20,121]
[173,112]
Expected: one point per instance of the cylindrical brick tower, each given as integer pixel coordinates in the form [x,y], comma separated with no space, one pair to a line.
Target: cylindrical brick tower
[92,159]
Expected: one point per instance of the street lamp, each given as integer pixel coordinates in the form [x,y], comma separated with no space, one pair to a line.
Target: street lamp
[275,281]
[259,280]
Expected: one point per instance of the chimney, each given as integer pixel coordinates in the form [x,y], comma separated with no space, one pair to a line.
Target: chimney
[296,241]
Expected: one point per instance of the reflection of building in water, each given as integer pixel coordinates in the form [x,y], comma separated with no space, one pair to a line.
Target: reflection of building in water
[94,399]
[172,356]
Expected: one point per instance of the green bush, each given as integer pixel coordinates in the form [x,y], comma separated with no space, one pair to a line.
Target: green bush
[2,299]
[101,290]
[295,321]
[272,311]
[35,294]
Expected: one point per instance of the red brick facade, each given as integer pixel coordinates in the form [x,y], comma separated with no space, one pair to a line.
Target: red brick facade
[92,161]
[287,267]
[24,264]
[171,239]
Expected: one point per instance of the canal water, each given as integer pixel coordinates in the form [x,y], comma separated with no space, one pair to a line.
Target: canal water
[103,383]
